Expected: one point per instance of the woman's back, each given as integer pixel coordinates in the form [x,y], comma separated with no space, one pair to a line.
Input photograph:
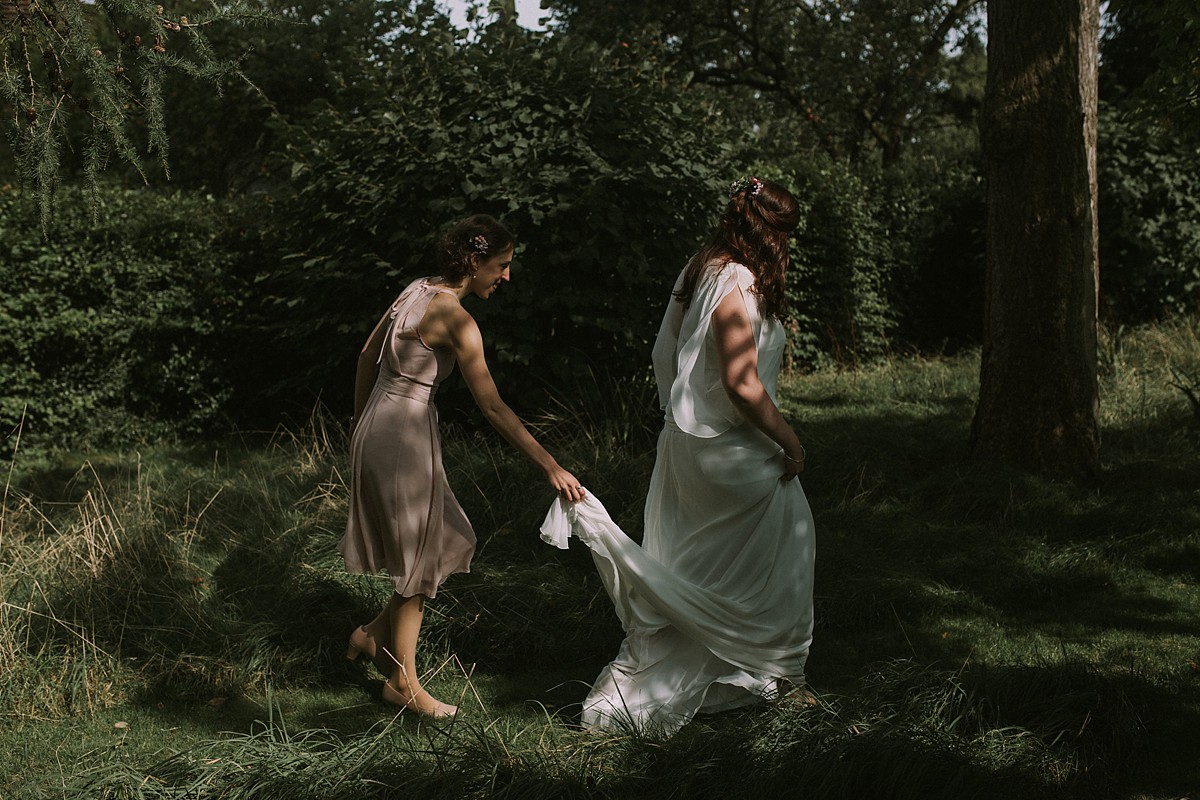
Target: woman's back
[686,363]
[405,356]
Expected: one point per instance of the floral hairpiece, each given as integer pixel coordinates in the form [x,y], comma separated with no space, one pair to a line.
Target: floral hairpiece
[746,182]
[480,243]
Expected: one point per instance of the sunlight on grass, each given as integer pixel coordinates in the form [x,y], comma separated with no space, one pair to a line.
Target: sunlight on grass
[173,620]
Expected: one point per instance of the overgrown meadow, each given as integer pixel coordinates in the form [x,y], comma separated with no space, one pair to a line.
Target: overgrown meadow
[174,617]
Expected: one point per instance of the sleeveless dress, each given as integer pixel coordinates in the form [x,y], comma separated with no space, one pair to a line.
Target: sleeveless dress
[717,602]
[403,517]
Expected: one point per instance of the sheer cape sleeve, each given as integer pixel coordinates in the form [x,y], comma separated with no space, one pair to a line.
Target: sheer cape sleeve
[687,367]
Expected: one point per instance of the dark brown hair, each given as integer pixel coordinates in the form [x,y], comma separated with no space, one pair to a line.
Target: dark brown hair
[753,231]
[459,245]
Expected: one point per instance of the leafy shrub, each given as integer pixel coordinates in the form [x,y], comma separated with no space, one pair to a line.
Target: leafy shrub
[608,177]
[1149,221]
[110,321]
[841,265]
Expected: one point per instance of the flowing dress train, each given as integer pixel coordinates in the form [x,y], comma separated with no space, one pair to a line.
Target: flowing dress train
[716,603]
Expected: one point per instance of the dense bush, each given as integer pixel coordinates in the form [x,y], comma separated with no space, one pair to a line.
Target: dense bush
[841,267]
[608,177]
[1149,221]
[113,321]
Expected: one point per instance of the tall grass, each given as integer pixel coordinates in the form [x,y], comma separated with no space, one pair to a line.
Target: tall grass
[980,633]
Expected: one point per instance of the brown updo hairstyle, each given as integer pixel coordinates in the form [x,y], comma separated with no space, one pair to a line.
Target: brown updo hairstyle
[468,242]
[753,231]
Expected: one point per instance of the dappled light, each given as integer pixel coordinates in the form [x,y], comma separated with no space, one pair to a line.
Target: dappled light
[204,211]
[973,624]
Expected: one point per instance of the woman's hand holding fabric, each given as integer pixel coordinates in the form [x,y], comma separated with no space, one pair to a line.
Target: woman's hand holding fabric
[565,484]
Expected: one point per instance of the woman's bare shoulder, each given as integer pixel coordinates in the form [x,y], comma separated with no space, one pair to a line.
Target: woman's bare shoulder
[445,321]
[447,307]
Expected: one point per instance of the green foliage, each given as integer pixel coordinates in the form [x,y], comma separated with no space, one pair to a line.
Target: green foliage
[1149,221]
[1152,61]
[368,126]
[112,324]
[91,75]
[607,176]
[842,263]
[1149,156]
[313,55]
[863,79]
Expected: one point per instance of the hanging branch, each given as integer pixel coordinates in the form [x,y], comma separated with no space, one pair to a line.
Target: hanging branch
[89,74]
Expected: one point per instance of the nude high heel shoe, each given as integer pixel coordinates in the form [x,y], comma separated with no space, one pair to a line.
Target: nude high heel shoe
[361,644]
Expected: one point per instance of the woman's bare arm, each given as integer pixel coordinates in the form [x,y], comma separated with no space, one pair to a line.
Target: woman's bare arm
[738,355]
[449,323]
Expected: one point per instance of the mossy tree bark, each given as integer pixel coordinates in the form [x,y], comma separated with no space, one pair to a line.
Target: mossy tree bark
[1038,398]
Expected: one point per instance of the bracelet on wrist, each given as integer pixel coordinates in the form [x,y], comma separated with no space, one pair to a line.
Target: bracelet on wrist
[799,460]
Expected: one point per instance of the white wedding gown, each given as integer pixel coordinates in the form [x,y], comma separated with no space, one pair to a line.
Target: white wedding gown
[717,601]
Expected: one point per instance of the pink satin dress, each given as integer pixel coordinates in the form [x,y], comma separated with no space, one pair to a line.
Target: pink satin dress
[404,519]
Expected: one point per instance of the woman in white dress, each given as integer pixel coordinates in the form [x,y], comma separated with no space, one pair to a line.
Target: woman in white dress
[717,603]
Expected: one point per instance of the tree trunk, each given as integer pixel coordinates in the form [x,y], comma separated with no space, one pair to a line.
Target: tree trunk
[1038,396]
[505,10]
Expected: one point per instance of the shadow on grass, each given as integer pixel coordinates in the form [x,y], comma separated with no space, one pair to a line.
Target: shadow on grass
[1034,636]
[924,555]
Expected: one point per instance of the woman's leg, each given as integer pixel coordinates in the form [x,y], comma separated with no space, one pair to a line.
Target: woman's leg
[404,687]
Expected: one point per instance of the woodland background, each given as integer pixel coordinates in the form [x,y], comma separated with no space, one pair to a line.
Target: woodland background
[212,256]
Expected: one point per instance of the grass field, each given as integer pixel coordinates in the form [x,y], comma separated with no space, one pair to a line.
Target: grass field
[174,618]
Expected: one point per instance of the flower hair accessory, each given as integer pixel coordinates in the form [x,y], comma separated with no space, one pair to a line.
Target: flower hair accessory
[480,243]
[749,182]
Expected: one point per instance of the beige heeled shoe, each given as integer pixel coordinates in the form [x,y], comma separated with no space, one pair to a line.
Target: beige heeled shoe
[361,644]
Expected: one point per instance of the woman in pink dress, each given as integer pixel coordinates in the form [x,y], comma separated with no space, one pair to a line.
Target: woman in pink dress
[403,516]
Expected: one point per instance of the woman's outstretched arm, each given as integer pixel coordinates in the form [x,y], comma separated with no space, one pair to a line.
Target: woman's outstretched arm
[458,327]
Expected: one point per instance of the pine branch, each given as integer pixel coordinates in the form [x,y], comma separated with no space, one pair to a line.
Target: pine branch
[59,58]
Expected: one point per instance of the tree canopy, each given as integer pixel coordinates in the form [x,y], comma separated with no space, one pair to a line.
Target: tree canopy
[865,75]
